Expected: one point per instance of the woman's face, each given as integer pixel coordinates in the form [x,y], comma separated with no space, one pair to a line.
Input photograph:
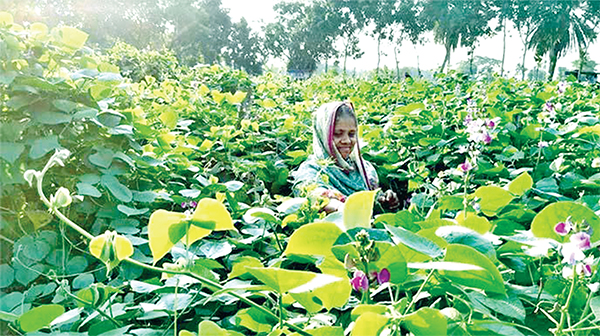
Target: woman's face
[344,135]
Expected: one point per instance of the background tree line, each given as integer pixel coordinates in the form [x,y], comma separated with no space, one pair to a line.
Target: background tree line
[308,33]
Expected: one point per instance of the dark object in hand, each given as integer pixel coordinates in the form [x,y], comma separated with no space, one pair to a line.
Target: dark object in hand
[389,201]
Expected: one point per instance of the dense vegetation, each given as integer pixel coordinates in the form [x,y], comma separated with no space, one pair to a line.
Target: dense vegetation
[308,33]
[147,198]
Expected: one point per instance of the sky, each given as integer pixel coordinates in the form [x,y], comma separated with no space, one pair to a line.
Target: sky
[427,55]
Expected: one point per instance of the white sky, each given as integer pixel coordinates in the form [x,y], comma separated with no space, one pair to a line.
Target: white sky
[430,55]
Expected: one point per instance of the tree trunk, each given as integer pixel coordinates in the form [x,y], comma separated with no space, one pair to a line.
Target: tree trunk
[418,66]
[523,63]
[503,47]
[447,58]
[396,59]
[552,65]
[378,54]
[346,55]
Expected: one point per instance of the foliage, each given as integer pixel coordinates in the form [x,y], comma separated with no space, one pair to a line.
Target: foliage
[170,209]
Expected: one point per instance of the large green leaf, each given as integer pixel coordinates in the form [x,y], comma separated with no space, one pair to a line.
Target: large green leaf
[488,279]
[414,241]
[116,188]
[390,257]
[426,321]
[10,151]
[255,320]
[51,118]
[87,189]
[313,239]
[42,146]
[544,222]
[510,306]
[493,199]
[521,184]
[369,324]
[72,37]
[283,281]
[358,209]
[39,317]
[7,275]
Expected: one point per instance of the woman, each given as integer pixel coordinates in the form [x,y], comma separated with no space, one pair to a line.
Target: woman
[336,166]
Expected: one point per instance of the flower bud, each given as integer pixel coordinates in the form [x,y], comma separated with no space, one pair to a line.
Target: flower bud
[62,198]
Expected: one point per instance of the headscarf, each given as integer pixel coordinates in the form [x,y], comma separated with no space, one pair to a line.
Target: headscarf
[324,148]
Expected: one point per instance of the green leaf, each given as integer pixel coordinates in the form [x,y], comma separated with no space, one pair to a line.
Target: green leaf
[490,327]
[86,189]
[426,321]
[313,239]
[390,257]
[83,281]
[543,224]
[414,241]
[443,265]
[510,306]
[40,317]
[521,184]
[240,265]
[210,328]
[42,146]
[473,222]
[255,320]
[102,158]
[7,275]
[493,199]
[283,281]
[373,308]
[369,324]
[169,118]
[488,279]
[66,106]
[358,209]
[177,231]
[120,191]
[10,151]
[465,236]
[51,118]
[131,211]
[39,218]
[72,37]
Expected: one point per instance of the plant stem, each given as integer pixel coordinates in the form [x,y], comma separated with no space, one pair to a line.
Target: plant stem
[416,296]
[565,309]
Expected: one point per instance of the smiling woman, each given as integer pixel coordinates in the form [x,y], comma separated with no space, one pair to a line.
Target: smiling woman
[336,166]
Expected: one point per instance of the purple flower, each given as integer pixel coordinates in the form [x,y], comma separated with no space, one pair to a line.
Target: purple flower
[490,124]
[487,138]
[193,204]
[587,270]
[581,240]
[383,276]
[359,281]
[465,167]
[563,228]
[184,205]
[549,107]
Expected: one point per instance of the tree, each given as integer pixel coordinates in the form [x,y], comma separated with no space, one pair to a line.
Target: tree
[561,26]
[456,22]
[200,30]
[244,50]
[303,34]
[525,16]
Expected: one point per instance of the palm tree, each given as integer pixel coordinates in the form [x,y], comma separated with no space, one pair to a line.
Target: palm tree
[562,25]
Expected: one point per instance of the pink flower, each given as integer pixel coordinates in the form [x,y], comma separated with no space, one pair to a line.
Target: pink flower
[465,167]
[581,240]
[487,138]
[383,276]
[587,270]
[563,228]
[359,281]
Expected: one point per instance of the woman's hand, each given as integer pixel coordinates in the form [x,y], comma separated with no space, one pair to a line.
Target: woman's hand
[389,200]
